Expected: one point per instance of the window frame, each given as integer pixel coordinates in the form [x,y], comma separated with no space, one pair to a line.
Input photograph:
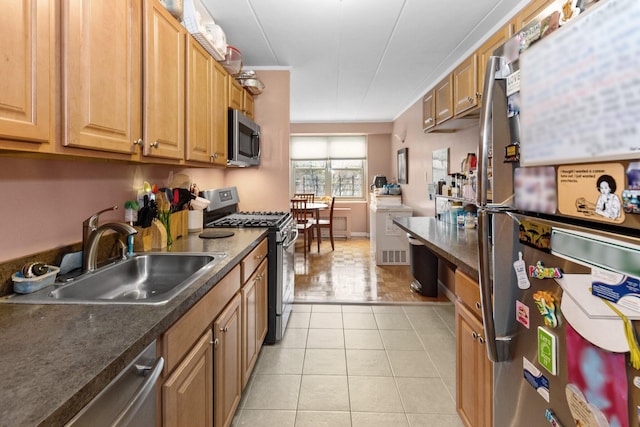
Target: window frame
[329,170]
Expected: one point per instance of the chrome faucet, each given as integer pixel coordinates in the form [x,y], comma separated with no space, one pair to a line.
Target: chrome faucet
[91,234]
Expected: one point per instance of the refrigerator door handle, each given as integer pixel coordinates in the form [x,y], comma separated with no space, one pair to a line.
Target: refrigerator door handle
[497,347]
[485,130]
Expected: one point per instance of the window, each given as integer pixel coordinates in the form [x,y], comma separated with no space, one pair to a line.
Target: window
[329,166]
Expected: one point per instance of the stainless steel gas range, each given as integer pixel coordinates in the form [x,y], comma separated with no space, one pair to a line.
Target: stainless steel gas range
[282,234]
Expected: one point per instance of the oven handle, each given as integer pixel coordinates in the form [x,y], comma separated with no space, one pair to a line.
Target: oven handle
[291,241]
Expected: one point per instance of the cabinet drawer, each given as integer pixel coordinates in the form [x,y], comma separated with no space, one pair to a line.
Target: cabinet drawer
[178,339]
[468,292]
[253,260]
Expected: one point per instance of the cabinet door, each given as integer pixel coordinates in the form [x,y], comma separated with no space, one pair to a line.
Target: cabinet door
[487,49]
[465,86]
[235,94]
[530,12]
[262,306]
[27,71]
[220,121]
[254,312]
[428,111]
[102,67]
[247,104]
[227,376]
[199,102]
[444,99]
[249,323]
[188,392]
[164,83]
[474,375]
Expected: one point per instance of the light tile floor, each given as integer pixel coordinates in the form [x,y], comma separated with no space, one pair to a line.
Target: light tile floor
[357,365]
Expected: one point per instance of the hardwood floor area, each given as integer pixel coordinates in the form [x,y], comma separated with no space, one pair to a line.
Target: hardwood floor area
[350,275]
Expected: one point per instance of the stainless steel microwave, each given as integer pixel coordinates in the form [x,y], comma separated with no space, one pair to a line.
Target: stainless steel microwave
[244,140]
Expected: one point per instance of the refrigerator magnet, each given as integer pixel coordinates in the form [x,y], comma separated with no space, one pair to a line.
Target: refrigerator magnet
[522,314]
[521,272]
[534,377]
[539,271]
[547,307]
[547,345]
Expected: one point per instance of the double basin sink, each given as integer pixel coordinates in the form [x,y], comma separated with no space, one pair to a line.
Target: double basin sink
[148,279]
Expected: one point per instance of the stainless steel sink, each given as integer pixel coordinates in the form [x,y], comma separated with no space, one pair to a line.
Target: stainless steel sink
[153,278]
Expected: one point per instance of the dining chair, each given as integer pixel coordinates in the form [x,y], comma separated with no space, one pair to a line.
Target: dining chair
[326,223]
[309,197]
[304,221]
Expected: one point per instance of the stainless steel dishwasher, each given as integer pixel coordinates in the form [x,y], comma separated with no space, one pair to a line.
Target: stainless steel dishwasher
[128,400]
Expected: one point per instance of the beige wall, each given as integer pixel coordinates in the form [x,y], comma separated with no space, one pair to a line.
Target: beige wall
[45,201]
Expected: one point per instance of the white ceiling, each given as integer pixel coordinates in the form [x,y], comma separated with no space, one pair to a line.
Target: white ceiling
[357,60]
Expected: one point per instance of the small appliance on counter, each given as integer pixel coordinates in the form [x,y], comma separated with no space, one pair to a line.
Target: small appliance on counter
[379,181]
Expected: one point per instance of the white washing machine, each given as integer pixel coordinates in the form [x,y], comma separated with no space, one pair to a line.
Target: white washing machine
[388,241]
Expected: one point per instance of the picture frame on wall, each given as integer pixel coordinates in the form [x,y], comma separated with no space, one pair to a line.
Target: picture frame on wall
[403,166]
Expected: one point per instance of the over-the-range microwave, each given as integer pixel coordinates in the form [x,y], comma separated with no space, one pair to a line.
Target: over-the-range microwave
[244,140]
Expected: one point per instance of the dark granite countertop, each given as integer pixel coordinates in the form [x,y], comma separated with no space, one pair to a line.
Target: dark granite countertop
[55,358]
[457,245]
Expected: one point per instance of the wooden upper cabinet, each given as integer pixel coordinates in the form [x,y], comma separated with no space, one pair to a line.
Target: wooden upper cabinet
[199,102]
[102,66]
[27,72]
[235,94]
[444,99]
[428,110]
[530,12]
[247,104]
[164,83]
[487,49]
[465,86]
[220,121]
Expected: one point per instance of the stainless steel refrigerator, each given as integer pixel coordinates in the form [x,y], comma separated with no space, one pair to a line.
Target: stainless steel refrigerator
[559,218]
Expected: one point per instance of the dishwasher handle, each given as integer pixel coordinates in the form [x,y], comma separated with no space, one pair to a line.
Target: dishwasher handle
[152,373]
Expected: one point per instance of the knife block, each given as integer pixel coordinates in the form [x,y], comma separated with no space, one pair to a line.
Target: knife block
[179,224]
[158,235]
[142,240]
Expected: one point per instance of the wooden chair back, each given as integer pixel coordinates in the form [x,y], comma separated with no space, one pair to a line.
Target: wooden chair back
[309,197]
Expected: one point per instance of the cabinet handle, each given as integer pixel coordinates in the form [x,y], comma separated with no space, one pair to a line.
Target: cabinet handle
[480,339]
[474,335]
[137,142]
[155,144]
[429,120]
[259,257]
[215,343]
[225,329]
[214,156]
[478,305]
[469,99]
[478,95]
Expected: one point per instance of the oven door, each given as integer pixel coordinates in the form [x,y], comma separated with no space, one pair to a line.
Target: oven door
[285,282]
[286,278]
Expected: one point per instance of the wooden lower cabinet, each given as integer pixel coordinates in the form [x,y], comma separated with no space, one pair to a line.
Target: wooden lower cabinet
[474,373]
[227,360]
[254,312]
[187,393]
